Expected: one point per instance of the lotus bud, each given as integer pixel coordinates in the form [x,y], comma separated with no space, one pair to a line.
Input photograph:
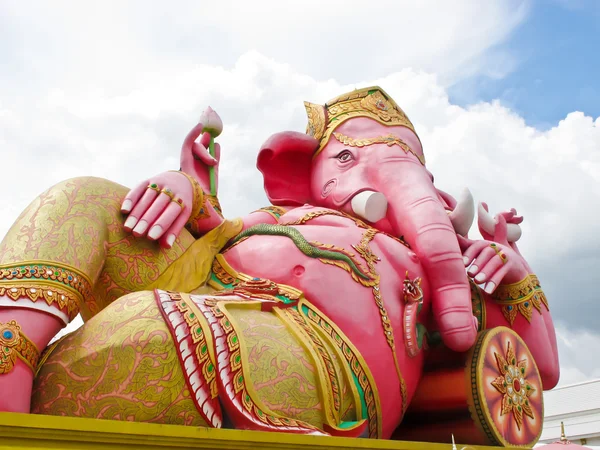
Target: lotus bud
[212,122]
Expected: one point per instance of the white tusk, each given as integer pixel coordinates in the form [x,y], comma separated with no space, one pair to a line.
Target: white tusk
[463,214]
[370,205]
[487,224]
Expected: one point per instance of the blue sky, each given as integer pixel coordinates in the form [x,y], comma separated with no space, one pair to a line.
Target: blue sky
[557,65]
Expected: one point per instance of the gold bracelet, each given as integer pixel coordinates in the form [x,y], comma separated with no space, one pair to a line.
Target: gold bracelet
[198,208]
[214,202]
[521,297]
[515,291]
[15,344]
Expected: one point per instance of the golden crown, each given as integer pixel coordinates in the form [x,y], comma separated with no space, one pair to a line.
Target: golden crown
[372,102]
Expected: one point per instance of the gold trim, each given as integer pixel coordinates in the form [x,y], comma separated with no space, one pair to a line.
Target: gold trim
[389,139]
[214,202]
[345,368]
[274,211]
[60,285]
[359,358]
[206,329]
[372,102]
[293,319]
[257,406]
[198,207]
[520,297]
[15,344]
[53,296]
[316,120]
[515,291]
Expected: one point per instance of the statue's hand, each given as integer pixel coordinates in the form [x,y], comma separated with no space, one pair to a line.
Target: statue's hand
[195,157]
[487,224]
[493,262]
[159,207]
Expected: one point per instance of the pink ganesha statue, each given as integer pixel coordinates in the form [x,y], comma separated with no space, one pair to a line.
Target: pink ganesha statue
[354,305]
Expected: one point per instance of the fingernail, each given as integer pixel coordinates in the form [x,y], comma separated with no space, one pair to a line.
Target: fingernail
[141,227]
[126,207]
[130,222]
[155,232]
[170,240]
[489,288]
[466,261]
[473,269]
[476,322]
[480,277]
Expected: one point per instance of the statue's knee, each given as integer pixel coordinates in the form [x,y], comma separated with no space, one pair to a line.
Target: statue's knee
[93,192]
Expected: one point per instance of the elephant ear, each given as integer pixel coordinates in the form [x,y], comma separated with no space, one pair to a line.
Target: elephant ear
[285,161]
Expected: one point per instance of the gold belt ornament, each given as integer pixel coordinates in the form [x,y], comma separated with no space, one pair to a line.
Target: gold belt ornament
[15,344]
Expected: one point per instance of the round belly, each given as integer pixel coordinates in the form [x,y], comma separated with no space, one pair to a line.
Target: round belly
[338,287]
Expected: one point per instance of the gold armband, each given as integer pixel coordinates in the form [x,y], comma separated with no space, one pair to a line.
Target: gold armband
[15,344]
[520,297]
[198,209]
[274,211]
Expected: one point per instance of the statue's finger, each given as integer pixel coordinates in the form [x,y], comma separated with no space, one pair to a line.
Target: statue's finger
[464,243]
[484,256]
[205,139]
[496,279]
[470,253]
[501,230]
[176,226]
[133,196]
[201,152]
[488,270]
[142,206]
[166,219]
[152,214]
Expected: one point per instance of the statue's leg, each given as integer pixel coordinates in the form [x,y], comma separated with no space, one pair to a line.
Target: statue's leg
[66,254]
[121,365]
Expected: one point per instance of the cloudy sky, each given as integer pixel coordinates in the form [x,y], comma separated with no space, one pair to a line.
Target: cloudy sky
[504,94]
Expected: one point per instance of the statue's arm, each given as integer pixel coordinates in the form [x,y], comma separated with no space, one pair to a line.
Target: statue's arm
[511,287]
[161,206]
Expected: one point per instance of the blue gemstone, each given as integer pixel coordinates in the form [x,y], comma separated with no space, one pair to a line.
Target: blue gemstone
[509,308]
[7,334]
[256,279]
[32,270]
[70,277]
[526,304]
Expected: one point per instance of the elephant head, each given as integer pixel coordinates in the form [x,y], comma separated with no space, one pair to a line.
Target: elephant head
[361,155]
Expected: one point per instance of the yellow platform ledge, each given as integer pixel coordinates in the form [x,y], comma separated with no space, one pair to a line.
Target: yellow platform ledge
[37,432]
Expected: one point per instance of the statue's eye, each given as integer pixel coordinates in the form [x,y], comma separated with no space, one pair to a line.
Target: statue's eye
[345,156]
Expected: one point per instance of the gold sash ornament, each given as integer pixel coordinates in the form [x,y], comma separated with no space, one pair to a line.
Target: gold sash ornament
[15,344]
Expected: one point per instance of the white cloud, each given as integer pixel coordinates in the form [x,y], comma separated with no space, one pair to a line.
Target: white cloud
[111,91]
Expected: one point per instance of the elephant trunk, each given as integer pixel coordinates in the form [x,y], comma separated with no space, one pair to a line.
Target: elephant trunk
[416,213]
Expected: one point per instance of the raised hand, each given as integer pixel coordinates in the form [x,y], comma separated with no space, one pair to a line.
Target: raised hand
[196,160]
[493,262]
[159,207]
[487,225]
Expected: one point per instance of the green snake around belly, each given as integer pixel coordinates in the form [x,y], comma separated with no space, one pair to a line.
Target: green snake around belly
[302,244]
